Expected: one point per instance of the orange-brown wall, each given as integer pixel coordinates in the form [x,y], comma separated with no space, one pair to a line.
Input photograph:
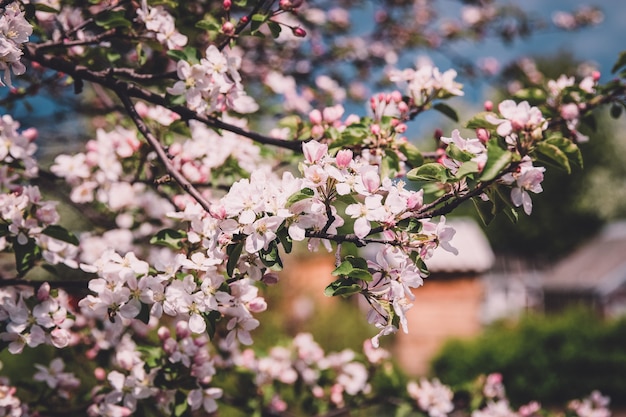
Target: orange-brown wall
[442,308]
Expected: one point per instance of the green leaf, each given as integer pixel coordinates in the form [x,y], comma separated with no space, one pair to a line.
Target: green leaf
[177,54]
[169,237]
[343,269]
[285,239]
[497,160]
[209,23]
[274,28]
[303,194]
[112,19]
[353,267]
[555,155]
[26,255]
[413,156]
[40,7]
[180,408]
[362,274]
[480,121]
[211,318]
[343,287]
[60,233]
[144,313]
[484,210]
[533,95]
[234,252]
[620,63]
[432,171]
[446,110]
[271,257]
[467,168]
[390,164]
[454,152]
[568,147]
[256,21]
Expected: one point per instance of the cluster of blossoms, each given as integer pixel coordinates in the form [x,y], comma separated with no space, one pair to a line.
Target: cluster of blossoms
[101,175]
[431,396]
[213,85]
[596,405]
[427,83]
[16,153]
[31,319]
[14,31]
[305,362]
[10,405]
[162,24]
[28,219]
[64,383]
[132,380]
[569,98]
[200,157]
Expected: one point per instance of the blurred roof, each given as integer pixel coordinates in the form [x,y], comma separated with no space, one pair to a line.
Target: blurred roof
[475,254]
[599,266]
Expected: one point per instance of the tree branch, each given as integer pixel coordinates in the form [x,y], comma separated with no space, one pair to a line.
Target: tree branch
[122,88]
[156,146]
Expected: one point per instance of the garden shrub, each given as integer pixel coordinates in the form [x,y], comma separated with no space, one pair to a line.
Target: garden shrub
[548,358]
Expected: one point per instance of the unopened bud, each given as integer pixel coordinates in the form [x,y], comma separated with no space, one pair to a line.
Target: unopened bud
[438,134]
[163,333]
[299,32]
[375,129]
[226,4]
[595,75]
[228,28]
[396,96]
[315,116]
[483,135]
[43,293]
[290,4]
[488,105]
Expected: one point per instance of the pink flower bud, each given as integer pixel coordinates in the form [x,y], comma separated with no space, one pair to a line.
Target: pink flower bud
[163,333]
[396,96]
[483,135]
[228,28]
[315,116]
[227,4]
[352,119]
[375,129]
[317,131]
[43,293]
[401,128]
[344,158]
[488,105]
[182,329]
[299,32]
[100,374]
[595,75]
[30,134]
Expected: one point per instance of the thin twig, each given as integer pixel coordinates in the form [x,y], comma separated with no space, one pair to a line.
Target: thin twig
[156,146]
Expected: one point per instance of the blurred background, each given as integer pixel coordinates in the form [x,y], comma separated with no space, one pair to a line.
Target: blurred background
[542,301]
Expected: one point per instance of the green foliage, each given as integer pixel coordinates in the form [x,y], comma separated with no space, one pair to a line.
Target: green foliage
[551,359]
